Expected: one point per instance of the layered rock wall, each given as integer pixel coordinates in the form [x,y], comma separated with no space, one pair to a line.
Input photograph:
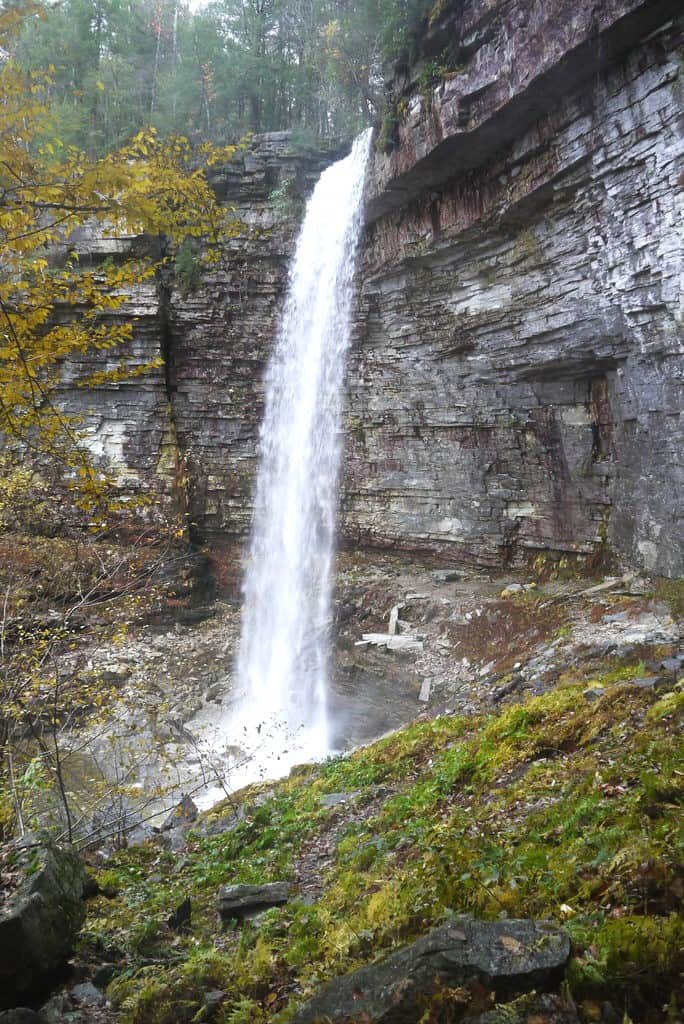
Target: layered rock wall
[518,381]
[188,431]
[220,335]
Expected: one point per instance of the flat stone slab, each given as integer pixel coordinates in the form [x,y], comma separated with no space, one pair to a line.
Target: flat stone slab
[391,641]
[243,901]
[510,957]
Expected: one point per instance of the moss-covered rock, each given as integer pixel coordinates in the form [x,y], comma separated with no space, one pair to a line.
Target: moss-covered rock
[41,914]
[508,957]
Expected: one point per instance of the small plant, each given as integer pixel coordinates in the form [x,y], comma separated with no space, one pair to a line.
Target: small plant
[431,75]
[672,593]
[285,200]
[187,267]
[386,140]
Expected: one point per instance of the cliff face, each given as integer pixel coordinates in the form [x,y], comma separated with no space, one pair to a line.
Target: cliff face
[189,432]
[220,334]
[516,381]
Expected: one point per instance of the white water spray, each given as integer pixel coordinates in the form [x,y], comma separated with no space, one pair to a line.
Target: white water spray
[280,715]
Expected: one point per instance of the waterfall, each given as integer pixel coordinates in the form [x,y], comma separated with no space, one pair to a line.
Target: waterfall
[280,716]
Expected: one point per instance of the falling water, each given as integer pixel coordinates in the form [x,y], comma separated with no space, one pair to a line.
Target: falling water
[280,717]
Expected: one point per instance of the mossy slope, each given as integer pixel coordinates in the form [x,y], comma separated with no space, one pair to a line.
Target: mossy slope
[565,807]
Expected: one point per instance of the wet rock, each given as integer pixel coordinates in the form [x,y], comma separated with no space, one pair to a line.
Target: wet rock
[212,1001]
[544,1009]
[41,917]
[239,902]
[649,683]
[511,957]
[184,813]
[514,683]
[53,1012]
[103,974]
[222,823]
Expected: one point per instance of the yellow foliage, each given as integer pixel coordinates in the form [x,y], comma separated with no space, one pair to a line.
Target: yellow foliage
[47,191]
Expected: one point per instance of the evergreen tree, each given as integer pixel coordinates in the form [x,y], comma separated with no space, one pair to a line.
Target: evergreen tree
[314,66]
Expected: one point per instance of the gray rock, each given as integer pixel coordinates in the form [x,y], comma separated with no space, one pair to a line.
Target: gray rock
[20,1015]
[509,393]
[86,994]
[53,1012]
[184,813]
[648,682]
[511,957]
[238,902]
[550,1009]
[41,918]
[212,1002]
[336,799]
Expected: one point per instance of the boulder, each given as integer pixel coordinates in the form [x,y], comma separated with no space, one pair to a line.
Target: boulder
[543,1009]
[42,912]
[183,814]
[20,1015]
[507,957]
[86,994]
[238,902]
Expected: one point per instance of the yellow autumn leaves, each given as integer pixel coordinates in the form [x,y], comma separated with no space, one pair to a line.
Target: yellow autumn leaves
[52,308]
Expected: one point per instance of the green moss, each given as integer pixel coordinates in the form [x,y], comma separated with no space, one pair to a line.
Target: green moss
[430,76]
[629,958]
[672,592]
[386,139]
[560,807]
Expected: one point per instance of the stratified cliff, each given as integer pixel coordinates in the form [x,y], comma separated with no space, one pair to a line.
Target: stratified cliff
[518,380]
[516,383]
[188,432]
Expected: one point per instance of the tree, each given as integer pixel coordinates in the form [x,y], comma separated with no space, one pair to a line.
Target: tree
[232,66]
[53,310]
[47,190]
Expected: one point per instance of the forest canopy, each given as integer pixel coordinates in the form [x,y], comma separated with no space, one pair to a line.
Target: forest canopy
[214,70]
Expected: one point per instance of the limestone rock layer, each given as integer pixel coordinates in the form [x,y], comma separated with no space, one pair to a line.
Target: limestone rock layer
[518,374]
[516,382]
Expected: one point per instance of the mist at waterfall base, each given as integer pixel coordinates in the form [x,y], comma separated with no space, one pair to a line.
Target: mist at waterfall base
[279,714]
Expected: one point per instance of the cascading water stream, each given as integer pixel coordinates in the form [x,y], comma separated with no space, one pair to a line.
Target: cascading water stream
[280,715]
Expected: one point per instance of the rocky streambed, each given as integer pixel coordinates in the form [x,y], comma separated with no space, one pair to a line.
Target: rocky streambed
[409,641]
[527,774]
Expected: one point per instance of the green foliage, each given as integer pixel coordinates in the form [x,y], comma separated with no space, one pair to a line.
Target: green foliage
[285,199]
[561,808]
[216,72]
[187,267]
[672,592]
[386,139]
[633,957]
[430,76]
